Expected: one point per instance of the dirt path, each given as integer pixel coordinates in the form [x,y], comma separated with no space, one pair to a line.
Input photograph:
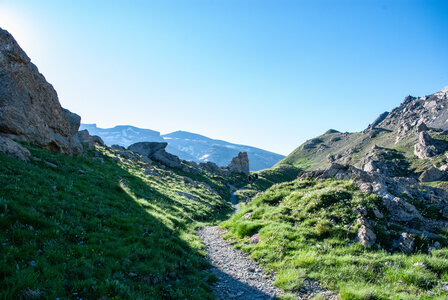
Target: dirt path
[239,277]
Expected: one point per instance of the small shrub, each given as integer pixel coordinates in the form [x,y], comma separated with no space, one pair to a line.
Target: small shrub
[324,228]
[290,279]
[247,228]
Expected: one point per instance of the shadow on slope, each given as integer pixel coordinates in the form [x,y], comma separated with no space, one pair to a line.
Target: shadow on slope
[77,227]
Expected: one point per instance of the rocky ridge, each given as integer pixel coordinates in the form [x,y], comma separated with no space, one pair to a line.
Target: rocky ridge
[186,145]
[401,157]
[154,151]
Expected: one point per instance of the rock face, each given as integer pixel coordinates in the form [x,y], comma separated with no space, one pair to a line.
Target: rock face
[425,148]
[29,107]
[428,109]
[379,120]
[240,164]
[87,140]
[366,235]
[156,151]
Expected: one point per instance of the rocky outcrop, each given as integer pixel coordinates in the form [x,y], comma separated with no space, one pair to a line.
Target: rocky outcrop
[394,192]
[312,143]
[239,164]
[432,174]
[88,141]
[428,109]
[156,151]
[386,161]
[29,107]
[425,148]
[379,120]
[366,235]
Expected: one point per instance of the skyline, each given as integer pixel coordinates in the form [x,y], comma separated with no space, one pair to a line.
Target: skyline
[247,72]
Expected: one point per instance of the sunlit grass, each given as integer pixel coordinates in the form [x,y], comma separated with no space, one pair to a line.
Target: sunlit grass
[307,229]
[88,229]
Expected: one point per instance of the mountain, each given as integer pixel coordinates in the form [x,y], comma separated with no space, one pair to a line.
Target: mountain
[123,135]
[416,131]
[187,145]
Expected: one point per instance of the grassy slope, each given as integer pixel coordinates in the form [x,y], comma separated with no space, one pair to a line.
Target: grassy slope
[307,230]
[267,178]
[362,143]
[88,229]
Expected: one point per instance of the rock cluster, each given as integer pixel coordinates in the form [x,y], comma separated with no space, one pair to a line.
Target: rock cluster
[430,110]
[394,191]
[155,151]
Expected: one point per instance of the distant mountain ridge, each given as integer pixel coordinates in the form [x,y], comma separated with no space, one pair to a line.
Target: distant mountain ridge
[399,130]
[186,145]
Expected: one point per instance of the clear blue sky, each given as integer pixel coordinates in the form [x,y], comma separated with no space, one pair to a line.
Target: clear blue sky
[270,74]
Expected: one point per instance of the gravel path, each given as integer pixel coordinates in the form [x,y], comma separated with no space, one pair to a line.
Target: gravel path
[239,277]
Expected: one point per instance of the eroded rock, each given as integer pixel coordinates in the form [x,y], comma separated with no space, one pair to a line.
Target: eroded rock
[29,106]
[240,164]
[156,151]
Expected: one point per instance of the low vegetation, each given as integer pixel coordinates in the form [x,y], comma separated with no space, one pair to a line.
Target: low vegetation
[91,227]
[307,229]
[266,179]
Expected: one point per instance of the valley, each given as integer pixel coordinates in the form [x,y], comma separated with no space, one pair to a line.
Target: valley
[127,213]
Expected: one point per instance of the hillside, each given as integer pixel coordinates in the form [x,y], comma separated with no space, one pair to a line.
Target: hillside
[308,232]
[368,216]
[413,134]
[81,220]
[186,145]
[102,224]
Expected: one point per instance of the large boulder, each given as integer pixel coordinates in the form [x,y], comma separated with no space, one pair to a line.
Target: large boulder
[432,174]
[11,148]
[240,164]
[156,151]
[29,107]
[87,140]
[425,148]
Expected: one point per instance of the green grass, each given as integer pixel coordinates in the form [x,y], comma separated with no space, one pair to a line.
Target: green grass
[267,178]
[308,228]
[92,230]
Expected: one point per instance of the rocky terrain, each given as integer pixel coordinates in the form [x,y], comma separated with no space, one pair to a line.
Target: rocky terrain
[29,107]
[400,157]
[187,146]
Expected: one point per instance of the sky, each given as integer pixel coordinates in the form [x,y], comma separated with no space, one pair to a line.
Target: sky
[269,74]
